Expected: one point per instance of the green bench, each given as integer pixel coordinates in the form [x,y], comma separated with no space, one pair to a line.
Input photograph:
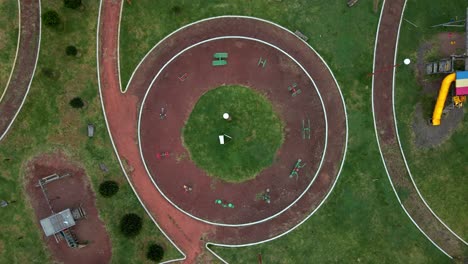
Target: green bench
[219,62]
[220,55]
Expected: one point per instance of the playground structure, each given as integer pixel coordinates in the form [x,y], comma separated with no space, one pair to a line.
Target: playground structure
[59,224]
[461,84]
[306,129]
[293,90]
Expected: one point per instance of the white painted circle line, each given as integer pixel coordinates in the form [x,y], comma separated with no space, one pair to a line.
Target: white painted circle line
[284,209]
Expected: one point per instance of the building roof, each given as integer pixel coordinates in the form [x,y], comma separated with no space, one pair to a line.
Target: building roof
[57,222]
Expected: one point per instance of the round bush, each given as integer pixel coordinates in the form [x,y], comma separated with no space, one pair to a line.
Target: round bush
[130,225]
[71,50]
[155,252]
[176,9]
[51,18]
[73,4]
[76,102]
[108,188]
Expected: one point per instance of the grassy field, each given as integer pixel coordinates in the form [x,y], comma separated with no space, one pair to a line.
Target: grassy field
[361,221]
[8,39]
[47,123]
[440,172]
[248,153]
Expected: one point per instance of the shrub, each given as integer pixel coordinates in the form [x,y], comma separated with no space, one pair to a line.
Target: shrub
[108,188]
[51,18]
[73,4]
[130,225]
[71,50]
[155,252]
[176,10]
[76,102]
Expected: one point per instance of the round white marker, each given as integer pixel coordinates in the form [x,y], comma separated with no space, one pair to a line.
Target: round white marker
[407,61]
[226,116]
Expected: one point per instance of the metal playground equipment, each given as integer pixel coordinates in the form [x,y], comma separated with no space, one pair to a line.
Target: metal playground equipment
[295,171]
[293,90]
[59,224]
[305,129]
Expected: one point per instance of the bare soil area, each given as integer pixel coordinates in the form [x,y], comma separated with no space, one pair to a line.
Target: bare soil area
[66,193]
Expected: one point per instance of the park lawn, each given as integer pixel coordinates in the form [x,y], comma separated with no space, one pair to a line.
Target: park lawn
[439,172]
[8,39]
[47,123]
[361,221]
[255,128]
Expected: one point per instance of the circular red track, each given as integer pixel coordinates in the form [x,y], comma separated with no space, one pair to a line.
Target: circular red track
[179,97]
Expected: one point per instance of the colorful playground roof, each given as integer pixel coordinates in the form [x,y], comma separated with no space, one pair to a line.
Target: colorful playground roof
[461,83]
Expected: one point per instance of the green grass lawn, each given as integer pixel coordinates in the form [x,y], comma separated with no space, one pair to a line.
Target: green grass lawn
[361,221]
[47,123]
[440,172]
[256,131]
[8,39]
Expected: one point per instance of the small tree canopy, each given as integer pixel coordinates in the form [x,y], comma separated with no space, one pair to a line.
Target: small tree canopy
[73,4]
[155,252]
[76,102]
[108,188]
[71,50]
[51,18]
[130,225]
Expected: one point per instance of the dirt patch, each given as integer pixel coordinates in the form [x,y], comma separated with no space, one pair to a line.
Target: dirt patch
[66,193]
[427,135]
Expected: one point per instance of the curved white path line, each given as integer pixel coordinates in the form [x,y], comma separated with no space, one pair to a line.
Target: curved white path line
[33,72]
[323,152]
[115,148]
[17,49]
[376,132]
[128,179]
[401,148]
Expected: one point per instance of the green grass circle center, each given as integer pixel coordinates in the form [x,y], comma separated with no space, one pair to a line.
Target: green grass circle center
[255,128]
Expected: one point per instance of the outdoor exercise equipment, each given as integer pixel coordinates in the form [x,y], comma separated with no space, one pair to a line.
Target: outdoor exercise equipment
[183,77]
[220,59]
[293,90]
[305,129]
[297,167]
[223,204]
[262,62]
[163,113]
[162,155]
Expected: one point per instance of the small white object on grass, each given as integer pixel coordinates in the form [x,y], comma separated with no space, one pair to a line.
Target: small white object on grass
[226,116]
[221,139]
[407,61]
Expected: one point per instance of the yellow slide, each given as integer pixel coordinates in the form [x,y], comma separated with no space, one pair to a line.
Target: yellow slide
[444,89]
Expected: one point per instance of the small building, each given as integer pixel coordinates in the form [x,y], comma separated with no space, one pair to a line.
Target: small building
[90,130]
[57,222]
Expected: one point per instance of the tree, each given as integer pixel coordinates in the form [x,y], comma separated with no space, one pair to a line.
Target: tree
[51,18]
[108,188]
[155,252]
[73,4]
[130,225]
[76,102]
[71,50]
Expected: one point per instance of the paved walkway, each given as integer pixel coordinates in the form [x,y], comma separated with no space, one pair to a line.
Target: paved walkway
[386,47]
[25,64]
